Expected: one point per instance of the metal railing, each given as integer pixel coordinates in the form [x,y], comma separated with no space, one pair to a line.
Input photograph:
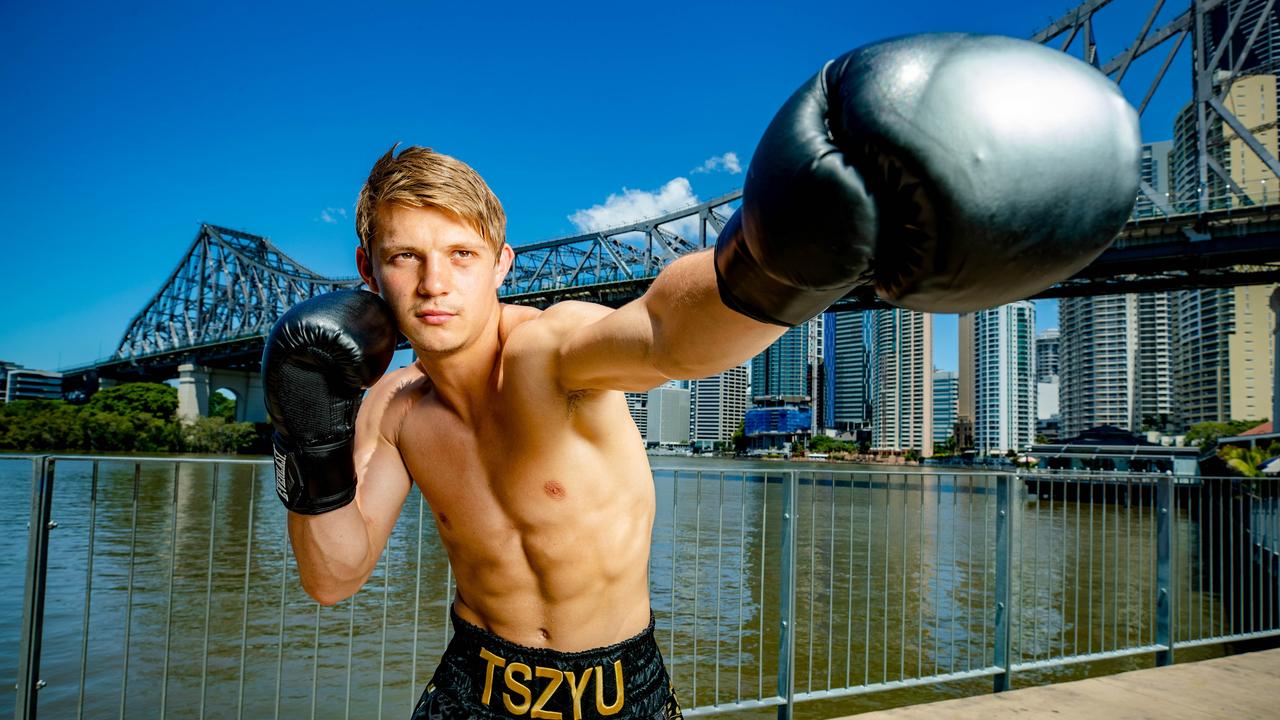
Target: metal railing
[164,586]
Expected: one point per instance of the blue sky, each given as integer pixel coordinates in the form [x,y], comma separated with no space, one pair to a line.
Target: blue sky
[126,125]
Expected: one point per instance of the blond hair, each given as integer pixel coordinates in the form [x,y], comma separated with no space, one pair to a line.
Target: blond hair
[422,177]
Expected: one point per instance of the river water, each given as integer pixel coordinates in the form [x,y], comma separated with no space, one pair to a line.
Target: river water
[895,577]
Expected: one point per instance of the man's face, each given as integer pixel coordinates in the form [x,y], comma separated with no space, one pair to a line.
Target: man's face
[440,276]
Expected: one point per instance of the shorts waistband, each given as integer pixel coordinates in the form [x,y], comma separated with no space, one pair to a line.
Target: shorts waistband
[499,678]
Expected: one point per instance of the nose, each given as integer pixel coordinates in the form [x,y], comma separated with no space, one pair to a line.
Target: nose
[434,277]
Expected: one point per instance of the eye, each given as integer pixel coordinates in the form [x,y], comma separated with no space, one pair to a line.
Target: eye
[465,254]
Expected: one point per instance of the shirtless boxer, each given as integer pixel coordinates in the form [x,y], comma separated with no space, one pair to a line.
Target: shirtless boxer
[890,167]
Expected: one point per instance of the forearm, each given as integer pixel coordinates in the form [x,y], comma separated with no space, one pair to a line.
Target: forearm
[334,552]
[694,334]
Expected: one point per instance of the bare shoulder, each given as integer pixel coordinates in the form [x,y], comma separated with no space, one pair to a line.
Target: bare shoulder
[545,329]
[389,400]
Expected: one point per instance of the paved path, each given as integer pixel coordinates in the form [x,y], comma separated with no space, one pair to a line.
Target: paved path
[1239,686]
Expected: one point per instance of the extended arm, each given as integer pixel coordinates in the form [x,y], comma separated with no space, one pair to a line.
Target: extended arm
[679,329]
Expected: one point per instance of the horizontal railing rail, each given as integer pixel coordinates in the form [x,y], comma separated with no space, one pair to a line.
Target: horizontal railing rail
[164,586]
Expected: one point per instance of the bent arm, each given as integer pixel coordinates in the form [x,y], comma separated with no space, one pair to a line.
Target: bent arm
[678,330]
[337,551]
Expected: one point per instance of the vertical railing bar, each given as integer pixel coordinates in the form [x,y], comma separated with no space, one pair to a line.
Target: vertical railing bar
[208,588]
[866,644]
[813,550]
[675,487]
[831,579]
[920,570]
[719,583]
[25,703]
[168,613]
[786,645]
[1216,558]
[284,575]
[884,629]
[968,566]
[697,565]
[849,591]
[902,613]
[1164,574]
[986,566]
[244,615]
[128,613]
[1003,655]
[351,642]
[1229,527]
[1048,583]
[1075,617]
[417,603]
[848,630]
[954,564]
[88,597]
[315,661]
[742,573]
[1106,545]
[1115,567]
[386,597]
[1035,585]
[1246,520]
[764,540]
[1128,557]
[1092,538]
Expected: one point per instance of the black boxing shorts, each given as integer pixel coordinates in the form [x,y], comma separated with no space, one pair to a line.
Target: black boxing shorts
[483,676]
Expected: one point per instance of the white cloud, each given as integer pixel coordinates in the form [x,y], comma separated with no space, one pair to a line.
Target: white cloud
[333,215]
[634,205]
[727,162]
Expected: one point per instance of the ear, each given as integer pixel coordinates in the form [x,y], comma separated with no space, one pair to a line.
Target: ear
[364,265]
[506,257]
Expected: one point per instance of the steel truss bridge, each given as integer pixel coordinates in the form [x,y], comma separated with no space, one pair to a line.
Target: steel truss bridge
[230,287]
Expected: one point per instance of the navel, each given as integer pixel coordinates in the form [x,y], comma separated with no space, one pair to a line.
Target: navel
[444,521]
[543,632]
[554,490]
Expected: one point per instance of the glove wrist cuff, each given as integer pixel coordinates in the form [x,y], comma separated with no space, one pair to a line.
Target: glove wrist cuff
[746,287]
[315,479]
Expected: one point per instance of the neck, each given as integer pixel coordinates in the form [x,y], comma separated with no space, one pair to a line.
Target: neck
[465,379]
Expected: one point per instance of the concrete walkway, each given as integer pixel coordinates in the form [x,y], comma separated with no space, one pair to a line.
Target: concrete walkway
[1239,686]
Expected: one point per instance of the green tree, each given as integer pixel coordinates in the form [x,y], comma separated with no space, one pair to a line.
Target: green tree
[911,455]
[222,406]
[1244,460]
[154,399]
[1206,434]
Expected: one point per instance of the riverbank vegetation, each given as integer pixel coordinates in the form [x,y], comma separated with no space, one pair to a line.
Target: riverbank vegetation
[135,417]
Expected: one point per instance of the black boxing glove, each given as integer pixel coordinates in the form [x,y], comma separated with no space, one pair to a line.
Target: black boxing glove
[319,359]
[955,172]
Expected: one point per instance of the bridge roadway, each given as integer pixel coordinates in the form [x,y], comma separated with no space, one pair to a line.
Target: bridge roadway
[1236,686]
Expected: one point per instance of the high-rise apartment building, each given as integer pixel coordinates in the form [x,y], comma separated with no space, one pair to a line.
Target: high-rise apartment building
[1224,367]
[717,405]
[1004,378]
[849,369]
[668,415]
[902,381]
[1154,175]
[1251,98]
[1047,361]
[1116,362]
[966,382]
[945,385]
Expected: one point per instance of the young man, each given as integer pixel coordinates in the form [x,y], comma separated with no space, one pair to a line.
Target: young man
[512,422]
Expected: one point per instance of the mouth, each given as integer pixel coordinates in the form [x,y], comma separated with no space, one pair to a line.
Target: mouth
[434,317]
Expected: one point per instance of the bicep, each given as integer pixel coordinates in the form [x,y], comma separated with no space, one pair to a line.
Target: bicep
[382,480]
[605,349]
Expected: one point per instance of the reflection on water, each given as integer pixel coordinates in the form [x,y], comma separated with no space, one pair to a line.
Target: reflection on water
[895,575]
